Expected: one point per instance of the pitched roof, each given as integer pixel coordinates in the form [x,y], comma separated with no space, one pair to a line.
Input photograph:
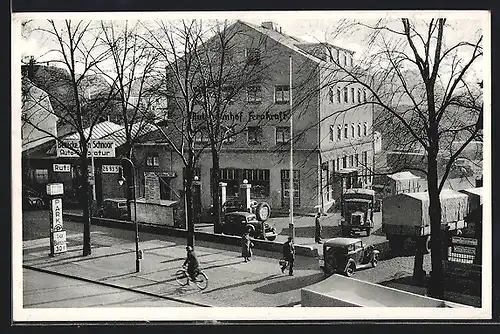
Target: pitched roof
[403,176]
[286,40]
[99,131]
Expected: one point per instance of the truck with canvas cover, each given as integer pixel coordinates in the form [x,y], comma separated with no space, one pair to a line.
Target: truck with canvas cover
[357,211]
[407,216]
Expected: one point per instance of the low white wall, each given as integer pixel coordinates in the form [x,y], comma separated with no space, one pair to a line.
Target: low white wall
[339,290]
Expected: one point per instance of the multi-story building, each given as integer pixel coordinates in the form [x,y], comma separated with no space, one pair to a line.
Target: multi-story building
[332,127]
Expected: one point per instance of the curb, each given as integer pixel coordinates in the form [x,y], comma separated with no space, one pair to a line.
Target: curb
[202,236]
[115,286]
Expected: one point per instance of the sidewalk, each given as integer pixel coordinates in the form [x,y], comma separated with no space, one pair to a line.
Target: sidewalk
[232,282]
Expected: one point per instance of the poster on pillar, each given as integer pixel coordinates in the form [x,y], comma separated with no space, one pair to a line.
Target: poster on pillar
[151,187]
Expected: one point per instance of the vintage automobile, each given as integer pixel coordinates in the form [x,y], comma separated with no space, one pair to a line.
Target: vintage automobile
[346,255]
[114,208]
[32,199]
[237,223]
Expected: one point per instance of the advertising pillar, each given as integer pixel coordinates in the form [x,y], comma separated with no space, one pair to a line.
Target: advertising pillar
[57,233]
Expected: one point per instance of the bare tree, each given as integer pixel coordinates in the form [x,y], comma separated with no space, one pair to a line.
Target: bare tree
[421,82]
[175,43]
[74,48]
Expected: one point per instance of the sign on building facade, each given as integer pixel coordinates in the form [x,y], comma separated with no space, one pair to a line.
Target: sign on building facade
[61,168]
[98,148]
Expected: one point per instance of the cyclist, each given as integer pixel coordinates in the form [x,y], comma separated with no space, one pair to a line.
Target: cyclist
[192,263]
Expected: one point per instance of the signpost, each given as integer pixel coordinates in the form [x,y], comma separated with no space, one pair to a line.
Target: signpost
[57,233]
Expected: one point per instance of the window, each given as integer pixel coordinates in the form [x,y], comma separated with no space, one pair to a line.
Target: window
[357,159]
[364,95]
[254,94]
[259,179]
[338,163]
[332,135]
[282,94]
[353,96]
[253,56]
[359,129]
[346,95]
[200,137]
[344,162]
[339,132]
[359,95]
[254,135]
[351,60]
[338,57]
[353,130]
[351,160]
[339,98]
[346,130]
[345,59]
[365,129]
[152,160]
[42,175]
[228,94]
[282,134]
[285,186]
[232,178]
[165,188]
[229,136]
[330,94]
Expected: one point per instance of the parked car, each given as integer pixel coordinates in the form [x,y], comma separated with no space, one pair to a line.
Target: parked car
[262,210]
[346,255]
[32,199]
[114,208]
[237,223]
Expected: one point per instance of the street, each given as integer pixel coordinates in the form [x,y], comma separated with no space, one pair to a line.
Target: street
[42,290]
[232,283]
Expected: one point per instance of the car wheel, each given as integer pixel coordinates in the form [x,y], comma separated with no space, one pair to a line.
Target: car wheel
[272,238]
[250,228]
[263,211]
[351,268]
[39,204]
[374,262]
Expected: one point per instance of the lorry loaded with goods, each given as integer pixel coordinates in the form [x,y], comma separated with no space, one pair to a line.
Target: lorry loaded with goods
[406,216]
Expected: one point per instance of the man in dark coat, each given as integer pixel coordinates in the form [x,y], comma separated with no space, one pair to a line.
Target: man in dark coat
[288,255]
[317,237]
[192,263]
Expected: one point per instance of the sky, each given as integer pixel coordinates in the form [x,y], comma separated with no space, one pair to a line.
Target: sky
[308,25]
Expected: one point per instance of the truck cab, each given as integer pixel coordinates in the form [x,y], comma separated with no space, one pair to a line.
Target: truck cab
[357,211]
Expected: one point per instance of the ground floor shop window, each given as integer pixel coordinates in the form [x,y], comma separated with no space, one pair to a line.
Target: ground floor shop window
[259,179]
[285,187]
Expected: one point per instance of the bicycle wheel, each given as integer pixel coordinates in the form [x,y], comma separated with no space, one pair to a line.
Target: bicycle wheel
[181,277]
[201,281]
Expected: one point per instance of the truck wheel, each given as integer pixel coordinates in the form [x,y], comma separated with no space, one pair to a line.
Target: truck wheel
[350,270]
[263,211]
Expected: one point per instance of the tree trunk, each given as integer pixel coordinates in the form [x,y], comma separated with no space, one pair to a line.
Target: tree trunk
[216,200]
[128,175]
[86,202]
[188,200]
[436,287]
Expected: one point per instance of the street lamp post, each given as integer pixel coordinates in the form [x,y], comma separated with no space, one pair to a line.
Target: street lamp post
[132,184]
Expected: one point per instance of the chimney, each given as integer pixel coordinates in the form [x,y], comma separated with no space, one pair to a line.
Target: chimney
[272,26]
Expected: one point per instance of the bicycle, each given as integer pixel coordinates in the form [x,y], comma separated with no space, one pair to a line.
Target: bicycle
[182,278]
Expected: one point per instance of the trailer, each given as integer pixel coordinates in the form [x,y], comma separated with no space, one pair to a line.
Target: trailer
[407,216]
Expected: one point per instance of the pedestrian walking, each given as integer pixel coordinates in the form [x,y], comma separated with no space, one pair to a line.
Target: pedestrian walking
[318,226]
[246,247]
[288,256]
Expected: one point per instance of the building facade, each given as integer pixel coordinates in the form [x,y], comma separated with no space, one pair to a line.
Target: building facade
[326,138]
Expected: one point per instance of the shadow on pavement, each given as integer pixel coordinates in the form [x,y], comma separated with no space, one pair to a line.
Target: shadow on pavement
[243,283]
[293,283]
